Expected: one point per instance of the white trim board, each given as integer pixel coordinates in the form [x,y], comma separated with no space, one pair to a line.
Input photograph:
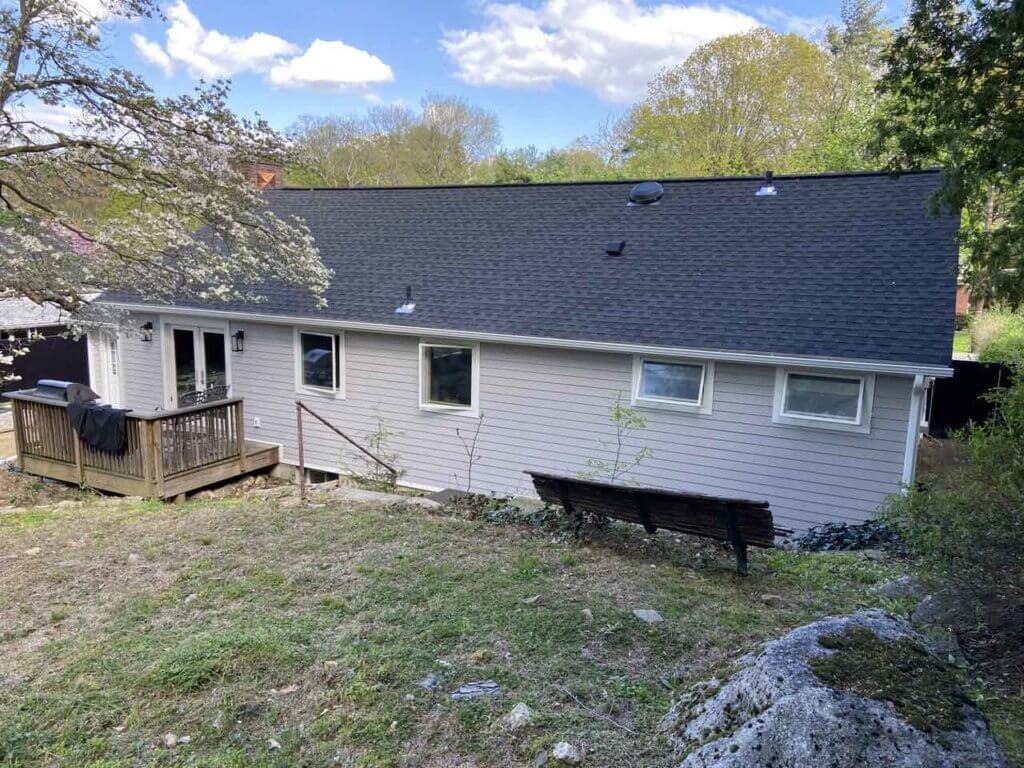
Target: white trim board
[752,358]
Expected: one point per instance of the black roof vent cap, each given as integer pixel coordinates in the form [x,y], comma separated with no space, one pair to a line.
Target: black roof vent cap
[646,193]
[615,247]
[409,306]
[767,188]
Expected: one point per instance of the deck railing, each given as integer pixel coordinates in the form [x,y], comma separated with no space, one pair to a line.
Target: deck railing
[166,450]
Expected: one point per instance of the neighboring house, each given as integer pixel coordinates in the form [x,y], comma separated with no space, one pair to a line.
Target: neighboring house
[778,344]
[53,353]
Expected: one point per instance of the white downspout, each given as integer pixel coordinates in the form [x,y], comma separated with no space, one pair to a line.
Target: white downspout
[913,431]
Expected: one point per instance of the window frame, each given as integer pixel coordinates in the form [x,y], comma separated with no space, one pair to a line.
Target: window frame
[705,399]
[861,424]
[337,348]
[473,409]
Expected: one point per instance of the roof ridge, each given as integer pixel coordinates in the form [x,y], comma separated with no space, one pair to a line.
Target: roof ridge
[596,182]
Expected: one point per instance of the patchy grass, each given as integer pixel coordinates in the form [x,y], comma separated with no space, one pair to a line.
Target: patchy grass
[239,621]
[962,341]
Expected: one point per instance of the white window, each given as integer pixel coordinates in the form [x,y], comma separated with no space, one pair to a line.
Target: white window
[672,383]
[827,400]
[450,377]
[319,363]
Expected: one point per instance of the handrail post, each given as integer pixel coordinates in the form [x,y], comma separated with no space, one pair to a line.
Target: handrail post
[302,454]
[157,449]
[240,435]
[19,438]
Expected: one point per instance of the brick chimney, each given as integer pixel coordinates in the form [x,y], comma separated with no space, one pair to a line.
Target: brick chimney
[262,175]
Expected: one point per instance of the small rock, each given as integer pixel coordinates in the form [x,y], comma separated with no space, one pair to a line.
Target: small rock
[476,690]
[588,615]
[274,744]
[564,752]
[33,551]
[410,697]
[648,616]
[531,600]
[541,759]
[184,739]
[520,717]
[875,555]
[903,587]
[191,598]
[429,682]
[170,740]
[773,601]
[134,558]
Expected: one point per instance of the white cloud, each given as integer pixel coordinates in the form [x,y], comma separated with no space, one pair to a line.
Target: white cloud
[612,47]
[330,63]
[208,53]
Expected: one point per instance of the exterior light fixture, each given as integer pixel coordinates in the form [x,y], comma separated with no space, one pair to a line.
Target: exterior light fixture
[147,331]
[238,341]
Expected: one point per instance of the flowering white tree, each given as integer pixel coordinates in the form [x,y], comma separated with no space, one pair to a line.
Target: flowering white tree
[127,190]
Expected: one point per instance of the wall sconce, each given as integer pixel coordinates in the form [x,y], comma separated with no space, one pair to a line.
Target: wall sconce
[147,331]
[238,341]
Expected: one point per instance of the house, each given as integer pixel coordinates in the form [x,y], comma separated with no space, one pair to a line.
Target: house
[54,353]
[777,335]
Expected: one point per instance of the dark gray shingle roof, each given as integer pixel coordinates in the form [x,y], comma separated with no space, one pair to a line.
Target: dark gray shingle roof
[851,266]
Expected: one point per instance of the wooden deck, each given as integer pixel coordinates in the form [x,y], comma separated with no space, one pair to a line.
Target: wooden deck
[169,452]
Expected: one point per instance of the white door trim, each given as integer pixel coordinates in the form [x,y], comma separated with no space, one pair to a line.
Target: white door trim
[167,327]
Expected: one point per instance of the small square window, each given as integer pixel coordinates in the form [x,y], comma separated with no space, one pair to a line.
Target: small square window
[448,377]
[318,361]
[679,384]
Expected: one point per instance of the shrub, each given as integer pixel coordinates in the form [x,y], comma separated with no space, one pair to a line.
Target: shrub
[967,523]
[998,336]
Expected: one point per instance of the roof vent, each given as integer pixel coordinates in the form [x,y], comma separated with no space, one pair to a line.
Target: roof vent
[646,193]
[615,247]
[767,186]
[409,305]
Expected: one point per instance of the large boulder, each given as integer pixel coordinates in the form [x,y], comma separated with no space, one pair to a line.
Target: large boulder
[843,692]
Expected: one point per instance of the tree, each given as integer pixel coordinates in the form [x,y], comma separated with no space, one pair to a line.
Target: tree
[738,104]
[445,143]
[952,96]
[170,214]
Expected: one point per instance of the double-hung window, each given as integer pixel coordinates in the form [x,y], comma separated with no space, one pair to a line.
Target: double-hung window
[449,377]
[319,363]
[827,400]
[669,383]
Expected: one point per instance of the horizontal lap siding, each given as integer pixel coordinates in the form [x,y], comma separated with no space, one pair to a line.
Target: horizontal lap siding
[141,369]
[548,409]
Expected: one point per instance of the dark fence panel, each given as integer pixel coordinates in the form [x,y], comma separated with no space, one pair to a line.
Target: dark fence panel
[52,357]
[961,399]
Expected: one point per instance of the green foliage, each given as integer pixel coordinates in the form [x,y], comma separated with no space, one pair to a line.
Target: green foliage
[967,524]
[998,336]
[952,96]
[626,421]
[924,690]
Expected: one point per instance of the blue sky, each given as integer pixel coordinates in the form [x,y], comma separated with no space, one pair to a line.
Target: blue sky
[551,70]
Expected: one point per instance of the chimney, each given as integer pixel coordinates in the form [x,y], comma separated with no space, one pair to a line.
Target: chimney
[262,175]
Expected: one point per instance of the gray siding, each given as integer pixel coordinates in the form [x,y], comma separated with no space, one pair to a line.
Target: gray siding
[141,371]
[548,409]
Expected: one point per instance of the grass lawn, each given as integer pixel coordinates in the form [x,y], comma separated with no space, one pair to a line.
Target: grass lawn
[275,636]
[962,341]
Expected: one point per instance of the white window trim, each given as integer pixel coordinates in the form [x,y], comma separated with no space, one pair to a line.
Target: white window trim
[867,395]
[473,410]
[338,347]
[707,386]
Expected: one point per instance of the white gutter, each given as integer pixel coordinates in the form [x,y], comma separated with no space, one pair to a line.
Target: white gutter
[752,358]
[917,400]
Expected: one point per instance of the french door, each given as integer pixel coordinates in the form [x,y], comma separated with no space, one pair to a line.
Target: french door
[199,359]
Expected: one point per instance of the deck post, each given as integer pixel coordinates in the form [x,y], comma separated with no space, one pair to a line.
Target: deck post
[302,453]
[146,445]
[156,448]
[76,441]
[19,438]
[240,435]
